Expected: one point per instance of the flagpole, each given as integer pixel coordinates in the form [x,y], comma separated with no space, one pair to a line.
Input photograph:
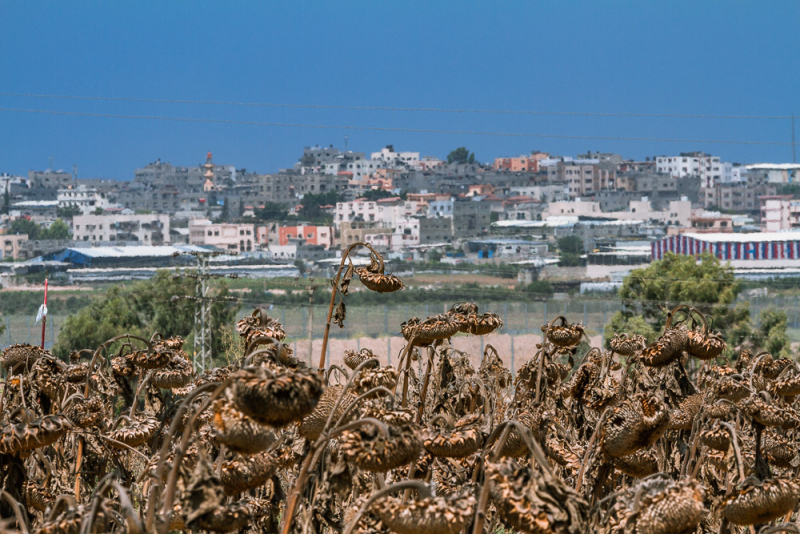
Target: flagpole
[44,318]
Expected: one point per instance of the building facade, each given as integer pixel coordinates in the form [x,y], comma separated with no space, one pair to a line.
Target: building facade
[143,229]
[229,237]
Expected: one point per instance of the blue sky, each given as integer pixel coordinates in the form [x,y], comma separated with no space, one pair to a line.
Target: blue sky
[717,58]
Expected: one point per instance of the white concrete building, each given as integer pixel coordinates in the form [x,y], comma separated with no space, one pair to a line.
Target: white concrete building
[576,208]
[779,173]
[391,158]
[231,237]
[86,199]
[779,214]
[144,229]
[709,168]
[361,168]
[427,163]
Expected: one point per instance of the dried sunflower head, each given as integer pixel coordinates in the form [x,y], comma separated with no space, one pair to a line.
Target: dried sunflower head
[661,506]
[367,447]
[431,515]
[625,345]
[433,328]
[25,436]
[244,473]
[21,355]
[313,424]
[633,424]
[353,359]
[564,335]
[238,431]
[533,503]
[463,439]
[755,501]
[704,346]
[132,431]
[276,397]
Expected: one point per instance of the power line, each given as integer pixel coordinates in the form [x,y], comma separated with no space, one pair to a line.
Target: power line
[399,108]
[388,129]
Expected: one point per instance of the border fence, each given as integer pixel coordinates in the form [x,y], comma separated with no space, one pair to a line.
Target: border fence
[384,320]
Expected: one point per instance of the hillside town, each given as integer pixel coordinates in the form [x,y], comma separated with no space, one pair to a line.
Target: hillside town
[411,207]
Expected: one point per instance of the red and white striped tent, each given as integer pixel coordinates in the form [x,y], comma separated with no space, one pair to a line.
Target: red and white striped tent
[756,246]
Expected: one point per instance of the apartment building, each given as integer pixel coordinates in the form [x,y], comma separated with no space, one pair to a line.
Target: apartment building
[12,246]
[230,237]
[86,199]
[582,179]
[311,234]
[779,213]
[523,163]
[388,157]
[709,168]
[148,229]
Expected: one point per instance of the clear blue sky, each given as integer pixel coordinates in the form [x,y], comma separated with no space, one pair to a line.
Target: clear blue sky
[725,57]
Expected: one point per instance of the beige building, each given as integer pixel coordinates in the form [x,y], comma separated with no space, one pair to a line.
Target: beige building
[779,212]
[12,246]
[230,237]
[144,229]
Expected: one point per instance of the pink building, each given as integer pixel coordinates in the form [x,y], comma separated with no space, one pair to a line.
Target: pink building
[314,235]
[521,164]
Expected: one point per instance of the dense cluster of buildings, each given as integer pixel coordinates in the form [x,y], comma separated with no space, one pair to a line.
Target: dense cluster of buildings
[407,205]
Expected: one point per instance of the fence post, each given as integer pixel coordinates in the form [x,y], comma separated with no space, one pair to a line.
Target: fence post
[526,316]
[366,320]
[512,357]
[305,320]
[28,324]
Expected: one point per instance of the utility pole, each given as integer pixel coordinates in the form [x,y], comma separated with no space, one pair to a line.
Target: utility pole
[202,311]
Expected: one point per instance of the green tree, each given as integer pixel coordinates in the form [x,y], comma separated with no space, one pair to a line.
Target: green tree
[648,294]
[272,211]
[67,212]
[312,210]
[770,335]
[58,230]
[461,155]
[26,226]
[142,309]
[570,248]
[6,198]
[376,194]
[225,213]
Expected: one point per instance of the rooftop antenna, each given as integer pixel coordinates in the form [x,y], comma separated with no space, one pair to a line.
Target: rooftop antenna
[75,171]
[345,137]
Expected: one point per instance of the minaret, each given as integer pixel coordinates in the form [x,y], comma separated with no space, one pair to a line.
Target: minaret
[209,174]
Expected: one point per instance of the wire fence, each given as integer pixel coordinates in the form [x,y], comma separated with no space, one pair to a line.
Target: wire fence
[384,320]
